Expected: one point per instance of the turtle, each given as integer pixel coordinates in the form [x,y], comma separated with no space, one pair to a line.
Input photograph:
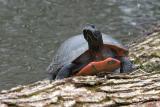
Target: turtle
[81,54]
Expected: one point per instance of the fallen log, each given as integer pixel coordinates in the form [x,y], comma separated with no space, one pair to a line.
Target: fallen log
[140,88]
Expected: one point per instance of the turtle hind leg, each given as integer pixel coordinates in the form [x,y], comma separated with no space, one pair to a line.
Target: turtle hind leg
[51,77]
[66,71]
[126,65]
[52,73]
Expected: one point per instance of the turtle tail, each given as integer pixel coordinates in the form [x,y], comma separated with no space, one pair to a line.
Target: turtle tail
[126,65]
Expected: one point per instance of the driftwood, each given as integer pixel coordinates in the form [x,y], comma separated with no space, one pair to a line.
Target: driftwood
[140,88]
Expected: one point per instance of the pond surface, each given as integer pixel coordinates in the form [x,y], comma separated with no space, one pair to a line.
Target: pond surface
[31,30]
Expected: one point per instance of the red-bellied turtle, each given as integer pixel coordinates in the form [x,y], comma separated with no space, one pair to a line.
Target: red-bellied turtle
[88,54]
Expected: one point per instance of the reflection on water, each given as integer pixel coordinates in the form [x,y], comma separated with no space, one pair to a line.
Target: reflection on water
[31,30]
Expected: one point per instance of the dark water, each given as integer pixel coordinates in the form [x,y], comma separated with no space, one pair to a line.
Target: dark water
[31,30]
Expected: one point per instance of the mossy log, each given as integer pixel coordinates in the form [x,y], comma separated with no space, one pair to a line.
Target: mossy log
[140,88]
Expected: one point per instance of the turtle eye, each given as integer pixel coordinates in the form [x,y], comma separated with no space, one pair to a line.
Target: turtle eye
[93,26]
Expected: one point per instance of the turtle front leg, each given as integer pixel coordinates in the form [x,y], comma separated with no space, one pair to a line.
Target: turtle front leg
[126,65]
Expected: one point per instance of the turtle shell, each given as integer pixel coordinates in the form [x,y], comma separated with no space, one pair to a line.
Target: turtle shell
[76,46]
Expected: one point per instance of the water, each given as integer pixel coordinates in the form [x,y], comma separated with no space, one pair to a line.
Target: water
[31,30]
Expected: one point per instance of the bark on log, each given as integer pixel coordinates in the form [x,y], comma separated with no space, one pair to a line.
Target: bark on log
[136,89]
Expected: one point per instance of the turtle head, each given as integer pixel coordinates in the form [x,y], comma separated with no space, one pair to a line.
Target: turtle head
[93,37]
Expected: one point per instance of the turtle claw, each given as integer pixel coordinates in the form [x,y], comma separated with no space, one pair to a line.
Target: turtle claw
[50,81]
[50,78]
[116,71]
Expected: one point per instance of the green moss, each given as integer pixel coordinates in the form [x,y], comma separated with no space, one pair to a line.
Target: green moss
[156,53]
